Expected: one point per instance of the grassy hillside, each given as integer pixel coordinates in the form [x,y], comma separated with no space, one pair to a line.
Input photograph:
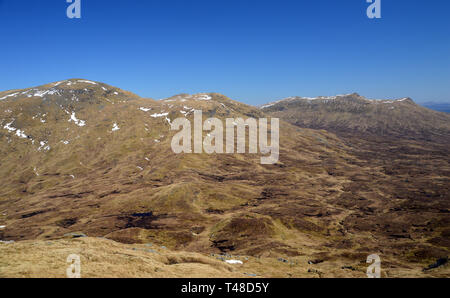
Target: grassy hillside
[83,156]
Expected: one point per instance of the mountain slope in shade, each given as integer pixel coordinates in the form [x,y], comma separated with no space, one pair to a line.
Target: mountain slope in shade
[83,156]
[353,113]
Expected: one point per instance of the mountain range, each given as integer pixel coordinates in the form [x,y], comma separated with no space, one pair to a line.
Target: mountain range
[352,113]
[355,177]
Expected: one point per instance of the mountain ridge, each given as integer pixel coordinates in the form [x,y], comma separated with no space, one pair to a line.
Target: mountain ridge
[350,96]
[101,164]
[354,113]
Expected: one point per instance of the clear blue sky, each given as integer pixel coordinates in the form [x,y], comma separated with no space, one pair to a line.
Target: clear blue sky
[254,51]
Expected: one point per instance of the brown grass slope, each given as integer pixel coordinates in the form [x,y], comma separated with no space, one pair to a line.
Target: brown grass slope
[84,156]
[106,258]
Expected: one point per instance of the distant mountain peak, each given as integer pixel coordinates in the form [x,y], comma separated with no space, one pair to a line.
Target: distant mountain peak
[76,89]
[185,97]
[340,97]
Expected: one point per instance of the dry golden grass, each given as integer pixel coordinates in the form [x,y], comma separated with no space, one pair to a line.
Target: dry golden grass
[106,258]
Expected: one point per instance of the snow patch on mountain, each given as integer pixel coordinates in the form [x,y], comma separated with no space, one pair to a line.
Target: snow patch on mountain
[204,97]
[115,127]
[10,95]
[76,120]
[44,146]
[88,82]
[156,115]
[9,128]
[20,133]
[234,262]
